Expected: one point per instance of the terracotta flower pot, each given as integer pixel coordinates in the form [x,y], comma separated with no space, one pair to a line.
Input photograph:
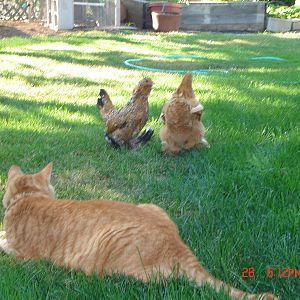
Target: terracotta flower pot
[165,22]
[165,16]
[165,7]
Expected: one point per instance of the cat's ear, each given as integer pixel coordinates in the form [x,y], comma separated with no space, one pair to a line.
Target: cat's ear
[13,171]
[47,171]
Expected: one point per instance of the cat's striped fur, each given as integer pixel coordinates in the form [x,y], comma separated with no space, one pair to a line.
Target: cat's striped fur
[98,236]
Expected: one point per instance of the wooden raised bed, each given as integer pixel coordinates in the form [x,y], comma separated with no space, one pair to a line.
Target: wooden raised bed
[283,25]
[224,16]
[210,16]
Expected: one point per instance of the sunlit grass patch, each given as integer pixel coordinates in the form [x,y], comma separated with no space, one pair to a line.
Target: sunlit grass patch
[236,204]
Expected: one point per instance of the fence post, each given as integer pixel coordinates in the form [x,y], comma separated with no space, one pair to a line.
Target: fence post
[30,7]
[117,13]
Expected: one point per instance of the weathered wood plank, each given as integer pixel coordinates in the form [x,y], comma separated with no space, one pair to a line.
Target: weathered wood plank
[221,19]
[224,16]
[226,8]
[222,27]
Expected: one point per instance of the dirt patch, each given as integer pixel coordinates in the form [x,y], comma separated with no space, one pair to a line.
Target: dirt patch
[23,28]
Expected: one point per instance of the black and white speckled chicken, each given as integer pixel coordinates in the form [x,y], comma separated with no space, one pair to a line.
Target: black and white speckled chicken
[123,125]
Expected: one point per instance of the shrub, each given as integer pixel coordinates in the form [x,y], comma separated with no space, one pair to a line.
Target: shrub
[283,2]
[283,12]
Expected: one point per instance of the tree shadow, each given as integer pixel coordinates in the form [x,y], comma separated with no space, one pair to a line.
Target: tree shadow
[25,106]
[9,31]
[188,44]
[99,59]
[42,80]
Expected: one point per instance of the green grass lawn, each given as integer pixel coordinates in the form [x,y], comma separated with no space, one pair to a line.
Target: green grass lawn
[236,204]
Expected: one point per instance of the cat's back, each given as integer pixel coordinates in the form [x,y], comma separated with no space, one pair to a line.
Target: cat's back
[93,235]
[71,215]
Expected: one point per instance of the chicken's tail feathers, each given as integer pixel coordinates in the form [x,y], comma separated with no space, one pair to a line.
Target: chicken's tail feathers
[185,89]
[145,136]
[112,141]
[102,96]
[104,104]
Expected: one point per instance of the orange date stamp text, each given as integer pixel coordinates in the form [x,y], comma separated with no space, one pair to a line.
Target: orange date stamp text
[284,273]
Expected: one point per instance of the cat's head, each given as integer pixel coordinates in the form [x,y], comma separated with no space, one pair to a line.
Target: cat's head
[19,183]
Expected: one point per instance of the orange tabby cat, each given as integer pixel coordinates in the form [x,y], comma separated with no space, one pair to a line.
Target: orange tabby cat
[102,237]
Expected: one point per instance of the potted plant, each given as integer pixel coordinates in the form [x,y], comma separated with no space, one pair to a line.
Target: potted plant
[166,16]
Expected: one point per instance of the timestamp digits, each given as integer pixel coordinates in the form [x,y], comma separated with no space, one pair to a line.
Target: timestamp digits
[283,273]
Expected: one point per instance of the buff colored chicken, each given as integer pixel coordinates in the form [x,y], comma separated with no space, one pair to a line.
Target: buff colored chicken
[123,125]
[181,116]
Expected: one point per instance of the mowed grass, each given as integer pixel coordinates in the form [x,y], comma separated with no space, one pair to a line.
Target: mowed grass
[236,204]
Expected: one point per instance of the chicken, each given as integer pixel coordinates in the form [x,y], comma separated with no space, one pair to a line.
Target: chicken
[123,125]
[181,116]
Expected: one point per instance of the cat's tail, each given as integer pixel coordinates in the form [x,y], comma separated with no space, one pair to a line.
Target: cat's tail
[190,267]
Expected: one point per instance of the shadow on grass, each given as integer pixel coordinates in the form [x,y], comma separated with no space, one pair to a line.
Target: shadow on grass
[9,31]
[53,282]
[243,47]
[112,58]
[41,80]
[234,129]
[42,111]
[121,37]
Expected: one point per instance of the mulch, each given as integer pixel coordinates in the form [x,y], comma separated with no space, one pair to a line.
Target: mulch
[23,28]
